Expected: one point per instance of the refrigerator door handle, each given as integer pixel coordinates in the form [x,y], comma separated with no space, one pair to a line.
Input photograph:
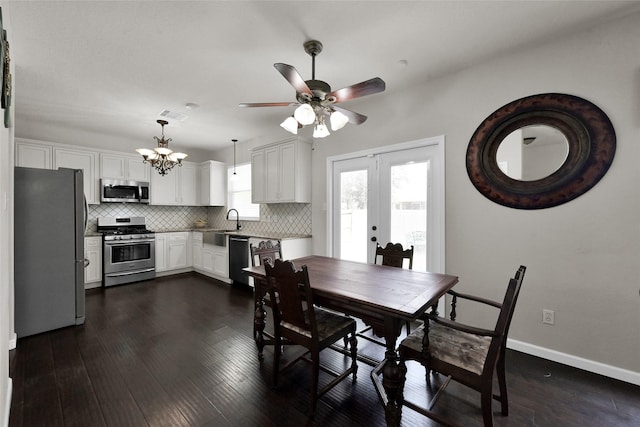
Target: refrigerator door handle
[86,214]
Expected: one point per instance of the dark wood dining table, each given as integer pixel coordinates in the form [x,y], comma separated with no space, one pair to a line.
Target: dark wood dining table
[382,297]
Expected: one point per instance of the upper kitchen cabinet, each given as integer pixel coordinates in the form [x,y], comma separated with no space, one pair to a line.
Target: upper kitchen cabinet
[178,187]
[281,173]
[33,155]
[80,159]
[123,167]
[212,179]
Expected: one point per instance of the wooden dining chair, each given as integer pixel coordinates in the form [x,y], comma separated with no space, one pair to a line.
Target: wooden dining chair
[392,255]
[466,354]
[265,250]
[300,322]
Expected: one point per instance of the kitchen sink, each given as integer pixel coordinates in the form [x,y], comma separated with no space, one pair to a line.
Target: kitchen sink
[215,237]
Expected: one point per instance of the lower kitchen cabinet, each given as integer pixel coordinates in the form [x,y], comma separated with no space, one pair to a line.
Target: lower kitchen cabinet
[173,251]
[215,262]
[210,260]
[93,253]
[197,250]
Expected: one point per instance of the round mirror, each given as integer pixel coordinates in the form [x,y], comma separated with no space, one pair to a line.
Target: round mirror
[504,171]
[532,152]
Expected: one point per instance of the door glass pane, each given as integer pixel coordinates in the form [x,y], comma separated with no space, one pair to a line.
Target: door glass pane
[353,215]
[409,209]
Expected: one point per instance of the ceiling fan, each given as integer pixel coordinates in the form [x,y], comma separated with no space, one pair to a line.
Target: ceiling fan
[315,100]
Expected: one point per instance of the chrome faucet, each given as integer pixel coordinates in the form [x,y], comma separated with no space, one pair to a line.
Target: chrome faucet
[238,226]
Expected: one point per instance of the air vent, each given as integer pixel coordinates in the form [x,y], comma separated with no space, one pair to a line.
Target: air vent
[172,115]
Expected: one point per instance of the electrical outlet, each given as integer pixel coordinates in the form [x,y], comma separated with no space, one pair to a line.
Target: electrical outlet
[548,316]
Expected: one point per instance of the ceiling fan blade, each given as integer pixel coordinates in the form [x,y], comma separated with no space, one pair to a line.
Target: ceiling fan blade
[368,87]
[354,118]
[268,104]
[293,77]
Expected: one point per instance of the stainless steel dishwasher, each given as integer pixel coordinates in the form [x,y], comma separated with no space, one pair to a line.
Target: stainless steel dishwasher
[238,259]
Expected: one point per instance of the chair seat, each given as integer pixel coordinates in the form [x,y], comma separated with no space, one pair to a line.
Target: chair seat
[329,324]
[454,347]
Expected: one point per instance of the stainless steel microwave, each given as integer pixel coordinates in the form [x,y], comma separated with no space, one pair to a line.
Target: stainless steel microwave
[122,191]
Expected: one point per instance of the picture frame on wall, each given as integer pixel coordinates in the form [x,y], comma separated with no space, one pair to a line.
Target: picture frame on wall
[2,58]
[5,62]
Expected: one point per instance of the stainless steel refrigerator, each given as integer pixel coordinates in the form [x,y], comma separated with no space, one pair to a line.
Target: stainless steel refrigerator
[50,220]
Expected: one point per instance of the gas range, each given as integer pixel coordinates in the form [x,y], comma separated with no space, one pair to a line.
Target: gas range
[128,234]
[128,250]
[124,228]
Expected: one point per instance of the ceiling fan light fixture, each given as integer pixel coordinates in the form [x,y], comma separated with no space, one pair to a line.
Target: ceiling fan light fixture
[320,131]
[338,120]
[304,114]
[290,124]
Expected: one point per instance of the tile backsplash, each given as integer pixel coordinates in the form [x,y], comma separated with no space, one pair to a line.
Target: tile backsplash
[158,217]
[289,218]
[292,218]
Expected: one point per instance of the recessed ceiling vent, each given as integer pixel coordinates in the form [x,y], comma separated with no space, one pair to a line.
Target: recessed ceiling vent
[172,115]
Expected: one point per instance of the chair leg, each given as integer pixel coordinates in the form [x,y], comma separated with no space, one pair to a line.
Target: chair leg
[353,341]
[315,372]
[502,383]
[487,413]
[276,360]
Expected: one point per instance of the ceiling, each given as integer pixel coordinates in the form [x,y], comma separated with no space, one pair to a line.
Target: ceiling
[98,73]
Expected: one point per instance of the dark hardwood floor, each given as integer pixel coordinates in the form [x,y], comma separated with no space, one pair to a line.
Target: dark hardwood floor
[178,351]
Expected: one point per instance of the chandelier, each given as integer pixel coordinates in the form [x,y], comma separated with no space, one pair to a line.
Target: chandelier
[161,157]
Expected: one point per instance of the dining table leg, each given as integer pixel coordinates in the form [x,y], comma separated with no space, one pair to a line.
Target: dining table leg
[259,320]
[393,374]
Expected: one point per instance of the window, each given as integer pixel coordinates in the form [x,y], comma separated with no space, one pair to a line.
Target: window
[239,192]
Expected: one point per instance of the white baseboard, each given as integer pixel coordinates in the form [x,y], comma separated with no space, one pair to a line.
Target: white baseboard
[13,341]
[575,361]
[7,405]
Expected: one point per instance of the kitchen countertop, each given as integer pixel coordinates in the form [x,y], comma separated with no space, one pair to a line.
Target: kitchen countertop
[272,235]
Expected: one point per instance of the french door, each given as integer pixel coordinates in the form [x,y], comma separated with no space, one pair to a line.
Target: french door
[390,194]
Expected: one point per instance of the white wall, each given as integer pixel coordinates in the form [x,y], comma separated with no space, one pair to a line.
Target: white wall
[581,256]
[7,334]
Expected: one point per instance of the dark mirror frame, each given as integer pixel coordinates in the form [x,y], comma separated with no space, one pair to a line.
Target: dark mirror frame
[592,145]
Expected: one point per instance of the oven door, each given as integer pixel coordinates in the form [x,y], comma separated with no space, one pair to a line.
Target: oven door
[129,255]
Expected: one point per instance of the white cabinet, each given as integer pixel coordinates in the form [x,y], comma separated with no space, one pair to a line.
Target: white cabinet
[161,252]
[173,251]
[210,260]
[212,177]
[295,248]
[30,155]
[93,253]
[80,159]
[123,167]
[164,188]
[33,154]
[197,250]
[281,173]
[188,186]
[215,261]
[178,251]
[258,173]
[177,187]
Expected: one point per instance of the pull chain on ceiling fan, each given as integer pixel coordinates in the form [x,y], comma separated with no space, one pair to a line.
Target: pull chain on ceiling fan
[315,100]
